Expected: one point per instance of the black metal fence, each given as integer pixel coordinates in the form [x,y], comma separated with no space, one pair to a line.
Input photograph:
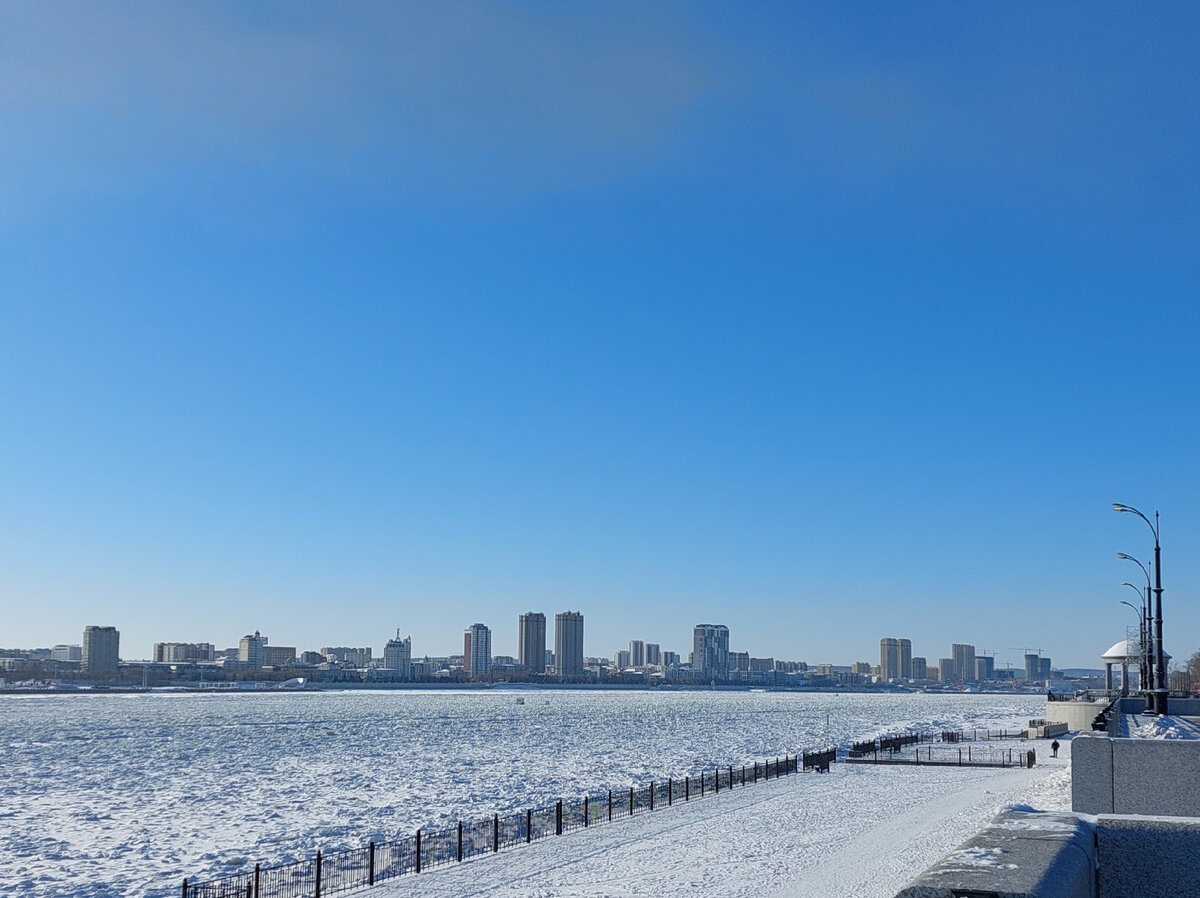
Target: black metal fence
[946,756]
[356,868]
[886,744]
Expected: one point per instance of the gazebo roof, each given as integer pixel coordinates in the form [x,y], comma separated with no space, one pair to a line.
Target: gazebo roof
[1125,650]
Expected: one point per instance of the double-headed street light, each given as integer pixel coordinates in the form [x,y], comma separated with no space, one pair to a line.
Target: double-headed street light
[1160,668]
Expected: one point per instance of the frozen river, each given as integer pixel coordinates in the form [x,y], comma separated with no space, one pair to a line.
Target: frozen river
[124,795]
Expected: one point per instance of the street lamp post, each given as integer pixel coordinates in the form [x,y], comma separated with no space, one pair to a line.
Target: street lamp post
[1141,645]
[1148,642]
[1143,642]
[1160,668]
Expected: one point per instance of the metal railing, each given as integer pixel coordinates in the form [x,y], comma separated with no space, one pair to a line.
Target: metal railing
[356,868]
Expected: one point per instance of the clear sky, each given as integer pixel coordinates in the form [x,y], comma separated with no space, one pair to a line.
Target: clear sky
[827,322]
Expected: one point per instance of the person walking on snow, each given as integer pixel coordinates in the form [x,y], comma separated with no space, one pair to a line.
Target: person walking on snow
[1054,749]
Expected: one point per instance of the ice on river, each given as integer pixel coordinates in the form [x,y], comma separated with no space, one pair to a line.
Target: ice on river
[124,795]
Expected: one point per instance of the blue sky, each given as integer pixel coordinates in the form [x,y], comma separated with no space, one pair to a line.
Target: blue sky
[828,322]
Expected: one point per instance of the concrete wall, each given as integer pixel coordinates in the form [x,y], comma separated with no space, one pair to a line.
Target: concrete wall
[1032,854]
[1156,777]
[1148,858]
[1020,854]
[1076,715]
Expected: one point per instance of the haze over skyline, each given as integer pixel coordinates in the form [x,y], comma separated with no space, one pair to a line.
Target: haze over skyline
[826,323]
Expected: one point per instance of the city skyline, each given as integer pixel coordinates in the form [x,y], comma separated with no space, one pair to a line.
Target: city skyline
[337,319]
[712,641]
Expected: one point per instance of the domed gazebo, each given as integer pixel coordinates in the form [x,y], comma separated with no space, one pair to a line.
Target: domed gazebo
[1125,652]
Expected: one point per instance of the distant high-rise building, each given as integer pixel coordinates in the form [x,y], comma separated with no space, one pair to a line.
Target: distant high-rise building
[964,661]
[1033,668]
[1044,669]
[568,643]
[397,656]
[670,659]
[947,672]
[253,650]
[895,659]
[531,642]
[621,659]
[637,653]
[710,651]
[184,652]
[477,651]
[67,653]
[100,652]
[280,655]
[919,669]
[985,668]
[739,662]
[862,668]
[653,654]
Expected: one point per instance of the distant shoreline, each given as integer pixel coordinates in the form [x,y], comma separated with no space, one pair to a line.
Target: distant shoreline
[275,688]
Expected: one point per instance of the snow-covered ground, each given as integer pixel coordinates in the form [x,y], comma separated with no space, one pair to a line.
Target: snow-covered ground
[1149,726]
[859,832]
[119,795]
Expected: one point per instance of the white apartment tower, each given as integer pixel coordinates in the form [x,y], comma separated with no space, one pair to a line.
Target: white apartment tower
[397,655]
[895,659]
[477,651]
[710,651]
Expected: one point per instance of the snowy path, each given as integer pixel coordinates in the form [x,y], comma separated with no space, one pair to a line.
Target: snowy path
[859,831]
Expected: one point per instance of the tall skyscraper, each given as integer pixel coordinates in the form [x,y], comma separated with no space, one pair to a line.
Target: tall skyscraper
[946,671]
[477,651]
[568,643]
[397,656]
[637,653]
[1032,668]
[253,650]
[710,651]
[531,642]
[920,671]
[964,661]
[985,667]
[100,651]
[653,654]
[895,659]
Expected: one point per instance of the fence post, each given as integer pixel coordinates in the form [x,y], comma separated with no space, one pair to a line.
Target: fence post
[460,841]
[528,826]
[185,887]
[418,851]
[670,791]
[256,880]
[756,771]
[610,805]
[687,788]
[495,833]
[317,890]
[558,819]
[586,813]
[701,783]
[717,779]
[730,776]
[631,801]
[370,869]
[652,796]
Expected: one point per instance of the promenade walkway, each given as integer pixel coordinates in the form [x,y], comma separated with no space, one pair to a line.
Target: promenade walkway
[860,831]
